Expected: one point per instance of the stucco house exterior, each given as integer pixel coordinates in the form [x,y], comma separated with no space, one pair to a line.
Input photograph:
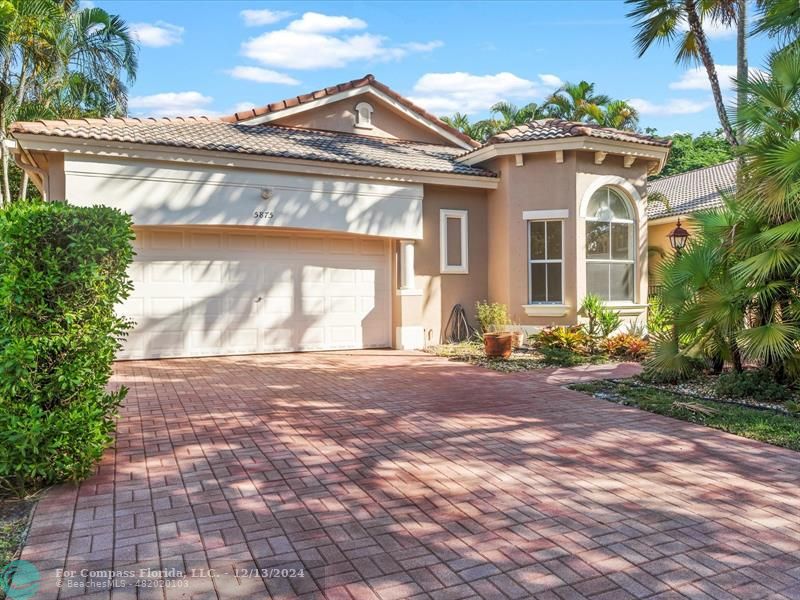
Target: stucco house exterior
[351,218]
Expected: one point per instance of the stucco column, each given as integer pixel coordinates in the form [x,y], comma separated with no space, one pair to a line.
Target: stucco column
[407,265]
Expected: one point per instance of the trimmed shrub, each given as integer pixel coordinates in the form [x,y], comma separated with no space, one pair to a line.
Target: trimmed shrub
[573,339]
[63,269]
[759,385]
[625,345]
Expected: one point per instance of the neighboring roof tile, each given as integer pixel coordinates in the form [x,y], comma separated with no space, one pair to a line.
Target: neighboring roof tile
[552,129]
[203,133]
[692,191]
[367,80]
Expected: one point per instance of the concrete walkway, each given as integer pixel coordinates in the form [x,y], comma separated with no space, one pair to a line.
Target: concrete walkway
[382,474]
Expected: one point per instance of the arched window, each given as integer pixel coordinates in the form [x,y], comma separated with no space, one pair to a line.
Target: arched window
[610,246]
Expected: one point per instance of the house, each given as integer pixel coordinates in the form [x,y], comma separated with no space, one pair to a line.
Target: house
[351,218]
[678,197]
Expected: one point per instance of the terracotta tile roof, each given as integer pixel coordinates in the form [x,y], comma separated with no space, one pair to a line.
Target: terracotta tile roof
[203,133]
[692,191]
[367,80]
[553,129]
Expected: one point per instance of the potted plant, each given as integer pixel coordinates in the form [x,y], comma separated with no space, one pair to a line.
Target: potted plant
[493,318]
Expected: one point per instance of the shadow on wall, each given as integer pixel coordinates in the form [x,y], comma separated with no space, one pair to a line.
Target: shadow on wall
[234,306]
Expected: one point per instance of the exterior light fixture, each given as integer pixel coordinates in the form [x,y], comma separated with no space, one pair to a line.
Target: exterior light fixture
[678,237]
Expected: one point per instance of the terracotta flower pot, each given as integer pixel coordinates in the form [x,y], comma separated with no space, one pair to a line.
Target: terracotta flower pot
[498,345]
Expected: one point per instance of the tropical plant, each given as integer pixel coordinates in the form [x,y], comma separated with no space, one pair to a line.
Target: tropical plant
[479,130]
[616,114]
[507,115]
[576,102]
[491,316]
[60,60]
[601,321]
[769,190]
[625,345]
[573,339]
[778,19]
[705,302]
[681,21]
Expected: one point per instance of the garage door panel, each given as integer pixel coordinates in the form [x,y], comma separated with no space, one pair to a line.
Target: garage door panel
[206,293]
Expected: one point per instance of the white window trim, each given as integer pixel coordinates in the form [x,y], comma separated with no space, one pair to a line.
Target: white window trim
[545,215]
[545,261]
[462,215]
[364,124]
[631,205]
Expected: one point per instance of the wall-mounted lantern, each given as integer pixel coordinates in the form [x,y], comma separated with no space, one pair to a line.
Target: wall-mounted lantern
[678,238]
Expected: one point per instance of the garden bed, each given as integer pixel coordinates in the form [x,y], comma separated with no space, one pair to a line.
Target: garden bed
[14,516]
[754,422]
[521,359]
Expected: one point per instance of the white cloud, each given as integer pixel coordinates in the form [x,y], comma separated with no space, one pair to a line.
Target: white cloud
[241,106]
[444,93]
[422,46]
[254,18]
[678,106]
[551,80]
[312,22]
[172,104]
[697,79]
[317,41]
[260,75]
[158,34]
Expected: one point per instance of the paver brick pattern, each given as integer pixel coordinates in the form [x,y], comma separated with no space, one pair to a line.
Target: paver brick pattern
[400,475]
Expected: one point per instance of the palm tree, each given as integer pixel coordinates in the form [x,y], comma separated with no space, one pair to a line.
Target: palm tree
[511,115]
[60,60]
[480,130]
[575,101]
[617,114]
[744,265]
[663,22]
[779,18]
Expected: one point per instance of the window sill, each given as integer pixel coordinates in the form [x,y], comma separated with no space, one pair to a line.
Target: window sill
[626,308]
[546,310]
[454,271]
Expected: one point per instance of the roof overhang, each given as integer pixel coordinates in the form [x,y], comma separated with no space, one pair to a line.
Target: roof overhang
[669,219]
[655,154]
[351,93]
[153,152]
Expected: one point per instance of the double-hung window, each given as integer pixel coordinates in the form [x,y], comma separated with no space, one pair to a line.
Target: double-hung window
[610,243]
[546,262]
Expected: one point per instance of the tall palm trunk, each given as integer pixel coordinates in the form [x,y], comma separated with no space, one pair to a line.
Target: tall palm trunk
[741,61]
[696,28]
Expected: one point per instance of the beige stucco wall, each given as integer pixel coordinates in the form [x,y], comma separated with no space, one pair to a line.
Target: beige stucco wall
[657,238]
[340,116]
[543,184]
[442,291]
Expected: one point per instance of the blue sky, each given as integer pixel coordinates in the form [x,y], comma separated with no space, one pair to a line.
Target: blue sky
[215,57]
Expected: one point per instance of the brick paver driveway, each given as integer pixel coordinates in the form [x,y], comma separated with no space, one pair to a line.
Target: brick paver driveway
[391,475]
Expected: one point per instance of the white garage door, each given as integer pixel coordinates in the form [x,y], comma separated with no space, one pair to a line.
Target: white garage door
[202,292]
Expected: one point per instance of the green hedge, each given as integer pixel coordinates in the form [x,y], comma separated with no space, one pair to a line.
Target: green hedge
[62,271]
